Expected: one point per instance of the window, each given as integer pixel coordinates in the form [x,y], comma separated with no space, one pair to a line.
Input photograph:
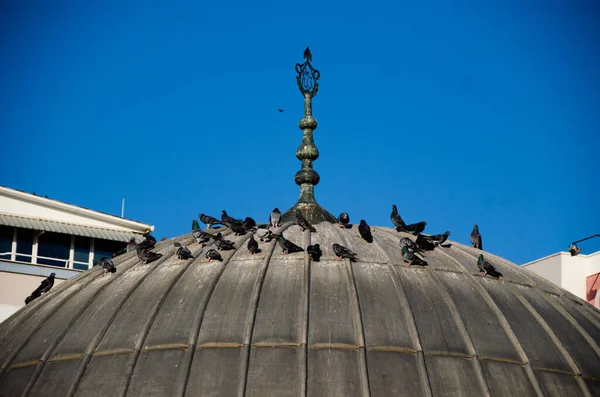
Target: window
[82,253]
[53,249]
[24,244]
[106,248]
[6,238]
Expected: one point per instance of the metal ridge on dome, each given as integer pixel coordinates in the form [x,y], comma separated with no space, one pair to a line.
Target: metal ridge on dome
[308,83]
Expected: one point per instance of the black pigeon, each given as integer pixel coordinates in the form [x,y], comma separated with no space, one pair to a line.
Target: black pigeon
[342,252]
[44,287]
[314,251]
[237,229]
[253,246]
[201,236]
[405,242]
[222,243]
[397,219]
[147,256]
[213,254]
[108,265]
[365,231]
[195,225]
[249,223]
[209,220]
[265,235]
[280,110]
[275,217]
[487,268]
[287,247]
[344,219]
[182,252]
[303,223]
[411,258]
[148,243]
[438,239]
[415,228]
[476,238]
[424,243]
[226,219]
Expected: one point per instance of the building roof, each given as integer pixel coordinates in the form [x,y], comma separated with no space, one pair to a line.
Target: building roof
[34,212]
[67,228]
[282,325]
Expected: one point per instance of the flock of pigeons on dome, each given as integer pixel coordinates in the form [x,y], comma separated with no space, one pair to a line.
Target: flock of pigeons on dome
[212,244]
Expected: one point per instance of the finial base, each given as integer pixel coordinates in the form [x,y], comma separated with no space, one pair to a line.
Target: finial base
[313,213]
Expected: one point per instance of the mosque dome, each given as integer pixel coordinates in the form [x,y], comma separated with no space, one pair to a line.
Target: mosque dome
[283,325]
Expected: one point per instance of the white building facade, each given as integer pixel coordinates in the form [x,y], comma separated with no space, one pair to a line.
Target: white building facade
[39,236]
[579,274]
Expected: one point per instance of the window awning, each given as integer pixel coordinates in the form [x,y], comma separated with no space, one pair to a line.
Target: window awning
[68,228]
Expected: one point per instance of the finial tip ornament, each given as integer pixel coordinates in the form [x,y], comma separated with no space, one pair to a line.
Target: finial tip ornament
[308,76]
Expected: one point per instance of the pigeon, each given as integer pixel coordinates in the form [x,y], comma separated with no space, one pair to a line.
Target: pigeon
[148,243]
[303,223]
[213,254]
[253,246]
[414,228]
[405,242]
[44,287]
[397,219]
[107,265]
[265,235]
[411,258]
[344,220]
[209,220]
[275,217]
[342,252]
[222,243]
[476,238]
[249,223]
[287,247]
[201,236]
[195,225]
[147,256]
[182,252]
[237,229]
[425,244]
[438,239]
[226,219]
[487,268]
[314,251]
[131,245]
[280,110]
[365,231]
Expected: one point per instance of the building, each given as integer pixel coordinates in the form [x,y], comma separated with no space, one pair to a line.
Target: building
[287,325]
[39,236]
[578,274]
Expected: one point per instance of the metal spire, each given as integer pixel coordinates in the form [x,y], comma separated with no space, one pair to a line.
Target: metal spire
[307,152]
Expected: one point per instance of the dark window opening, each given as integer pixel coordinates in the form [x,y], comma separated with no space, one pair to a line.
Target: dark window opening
[56,246]
[81,246]
[24,244]
[6,238]
[106,248]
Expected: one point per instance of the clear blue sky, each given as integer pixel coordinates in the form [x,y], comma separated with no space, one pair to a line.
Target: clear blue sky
[462,114]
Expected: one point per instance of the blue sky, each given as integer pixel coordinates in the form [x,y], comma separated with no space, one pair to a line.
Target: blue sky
[479,112]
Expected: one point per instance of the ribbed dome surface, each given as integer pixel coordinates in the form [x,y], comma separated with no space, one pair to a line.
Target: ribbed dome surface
[275,325]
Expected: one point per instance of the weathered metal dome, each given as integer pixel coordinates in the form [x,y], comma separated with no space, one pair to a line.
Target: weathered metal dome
[272,325]
[275,325]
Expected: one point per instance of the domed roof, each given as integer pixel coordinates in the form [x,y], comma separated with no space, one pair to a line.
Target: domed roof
[282,325]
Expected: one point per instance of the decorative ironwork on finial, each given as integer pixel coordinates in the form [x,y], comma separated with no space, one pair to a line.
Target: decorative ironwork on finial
[307,178]
[308,76]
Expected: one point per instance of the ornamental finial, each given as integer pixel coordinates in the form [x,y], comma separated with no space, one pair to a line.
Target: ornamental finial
[307,152]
